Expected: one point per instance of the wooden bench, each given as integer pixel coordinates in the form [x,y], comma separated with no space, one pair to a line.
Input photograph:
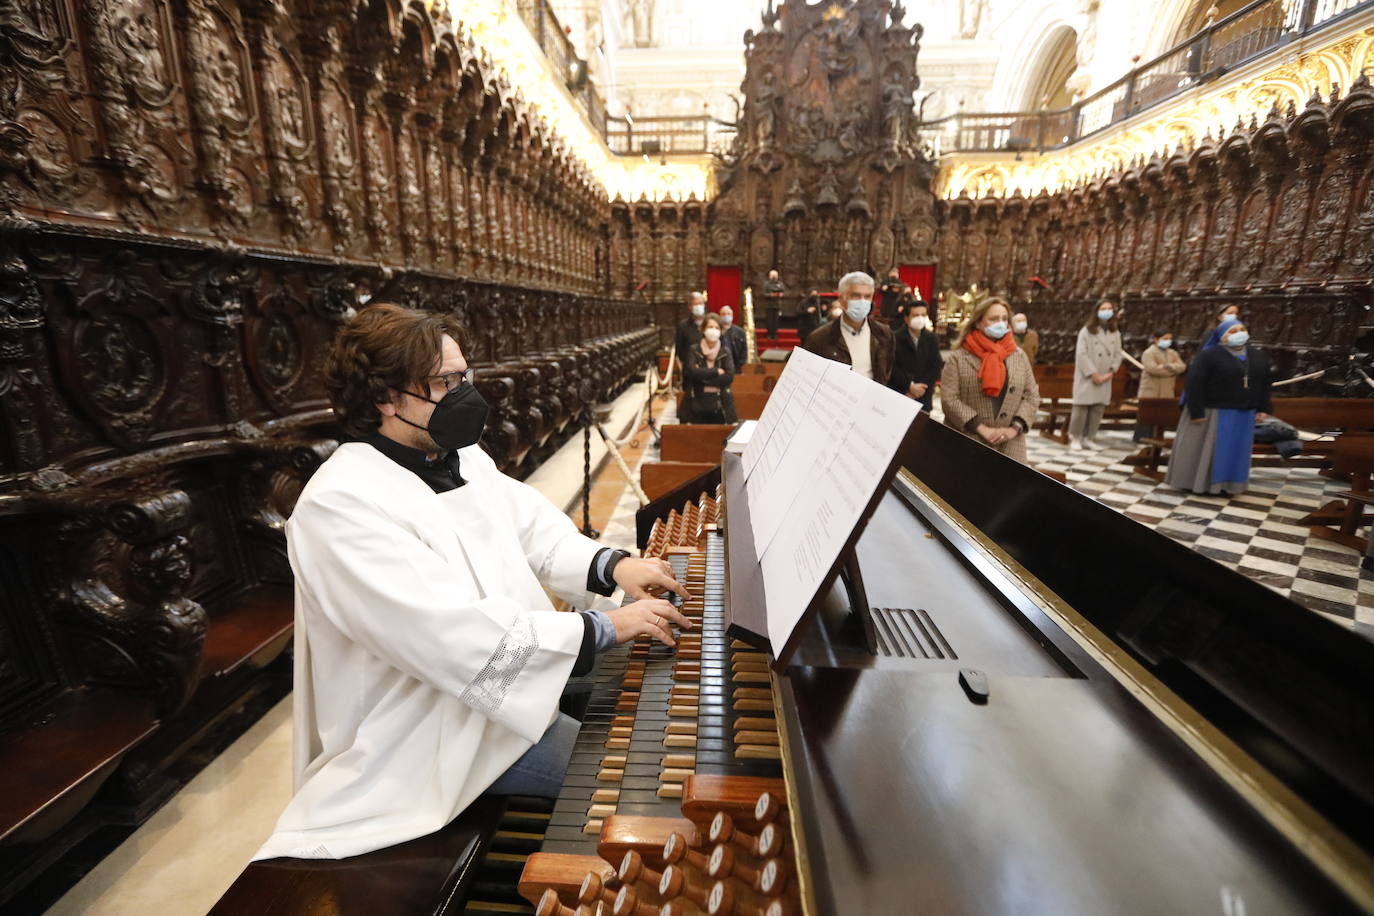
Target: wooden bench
[428,876]
[1163,415]
[1055,382]
[1352,457]
[698,442]
[657,478]
[1327,417]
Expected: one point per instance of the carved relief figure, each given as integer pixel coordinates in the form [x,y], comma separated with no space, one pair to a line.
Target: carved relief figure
[117,366]
[139,42]
[639,22]
[765,102]
[226,86]
[971,14]
[896,106]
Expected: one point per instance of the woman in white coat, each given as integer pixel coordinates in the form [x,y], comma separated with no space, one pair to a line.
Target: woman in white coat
[1096,359]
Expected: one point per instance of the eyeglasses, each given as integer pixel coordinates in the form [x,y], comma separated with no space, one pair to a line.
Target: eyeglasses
[454,380]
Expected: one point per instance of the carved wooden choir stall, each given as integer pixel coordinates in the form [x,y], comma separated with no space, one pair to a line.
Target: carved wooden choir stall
[193,197]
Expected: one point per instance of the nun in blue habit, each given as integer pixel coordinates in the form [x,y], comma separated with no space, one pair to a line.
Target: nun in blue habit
[1225,391]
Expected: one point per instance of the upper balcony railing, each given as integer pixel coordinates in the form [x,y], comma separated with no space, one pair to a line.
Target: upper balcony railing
[1240,38]
[1245,35]
[654,136]
[543,24]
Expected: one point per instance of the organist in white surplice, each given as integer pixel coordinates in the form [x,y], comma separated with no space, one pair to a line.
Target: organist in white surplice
[429,661]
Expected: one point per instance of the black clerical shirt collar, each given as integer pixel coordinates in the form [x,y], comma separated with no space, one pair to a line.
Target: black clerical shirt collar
[440,474]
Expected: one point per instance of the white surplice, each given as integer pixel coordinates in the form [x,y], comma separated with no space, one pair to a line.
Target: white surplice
[427,656]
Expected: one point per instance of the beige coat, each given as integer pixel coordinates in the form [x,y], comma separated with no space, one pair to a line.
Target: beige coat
[1162,368]
[1030,342]
[1095,353]
[965,405]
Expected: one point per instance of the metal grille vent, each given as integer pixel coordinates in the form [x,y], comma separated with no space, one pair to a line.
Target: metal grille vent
[904,633]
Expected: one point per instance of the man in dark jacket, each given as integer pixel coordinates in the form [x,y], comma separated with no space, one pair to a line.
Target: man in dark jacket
[855,340]
[689,331]
[889,298]
[773,291]
[734,337]
[917,363]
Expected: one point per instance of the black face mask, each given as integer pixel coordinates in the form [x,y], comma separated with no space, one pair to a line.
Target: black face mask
[457,420]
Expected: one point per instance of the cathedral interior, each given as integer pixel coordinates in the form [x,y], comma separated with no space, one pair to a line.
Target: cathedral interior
[197,195]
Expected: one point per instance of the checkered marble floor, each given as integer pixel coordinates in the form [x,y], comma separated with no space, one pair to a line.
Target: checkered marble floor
[1257,532]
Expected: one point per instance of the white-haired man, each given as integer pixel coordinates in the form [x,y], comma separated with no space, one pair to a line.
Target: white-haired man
[865,345]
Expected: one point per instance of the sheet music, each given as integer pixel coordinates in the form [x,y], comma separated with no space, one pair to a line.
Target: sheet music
[798,381]
[832,456]
[801,449]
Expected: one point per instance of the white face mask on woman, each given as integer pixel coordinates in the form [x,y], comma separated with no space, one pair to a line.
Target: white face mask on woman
[711,334]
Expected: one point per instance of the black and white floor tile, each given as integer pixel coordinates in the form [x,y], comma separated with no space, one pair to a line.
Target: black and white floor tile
[1257,532]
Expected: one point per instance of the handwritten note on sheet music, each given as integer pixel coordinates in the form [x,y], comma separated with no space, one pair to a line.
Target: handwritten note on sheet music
[825,453]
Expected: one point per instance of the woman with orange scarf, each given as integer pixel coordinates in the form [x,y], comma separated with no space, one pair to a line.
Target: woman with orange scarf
[988,389]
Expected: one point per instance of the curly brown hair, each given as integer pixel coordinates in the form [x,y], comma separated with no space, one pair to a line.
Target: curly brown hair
[382,349]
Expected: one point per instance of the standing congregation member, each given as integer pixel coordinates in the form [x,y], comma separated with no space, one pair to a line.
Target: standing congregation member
[1161,367]
[988,390]
[890,299]
[917,363]
[1227,391]
[1096,358]
[734,337]
[689,330]
[707,372]
[809,314]
[1025,338]
[429,661]
[1229,313]
[773,291]
[836,310]
[854,339]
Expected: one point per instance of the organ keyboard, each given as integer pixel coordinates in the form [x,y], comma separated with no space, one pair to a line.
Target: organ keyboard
[1066,713]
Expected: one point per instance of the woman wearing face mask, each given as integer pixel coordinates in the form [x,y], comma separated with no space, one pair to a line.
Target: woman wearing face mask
[1162,366]
[707,371]
[1227,391]
[917,363]
[1229,313]
[987,389]
[1096,359]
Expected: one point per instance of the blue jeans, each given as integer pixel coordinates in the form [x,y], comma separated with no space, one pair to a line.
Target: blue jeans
[539,771]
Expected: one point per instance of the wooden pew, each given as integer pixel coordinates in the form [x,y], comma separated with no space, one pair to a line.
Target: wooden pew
[1162,414]
[699,442]
[1328,417]
[659,477]
[1352,457]
[1056,394]
[428,876]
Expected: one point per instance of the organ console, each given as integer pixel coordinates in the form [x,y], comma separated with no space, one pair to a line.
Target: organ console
[1065,712]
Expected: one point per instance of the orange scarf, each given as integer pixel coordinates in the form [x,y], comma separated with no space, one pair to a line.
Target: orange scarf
[992,372]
